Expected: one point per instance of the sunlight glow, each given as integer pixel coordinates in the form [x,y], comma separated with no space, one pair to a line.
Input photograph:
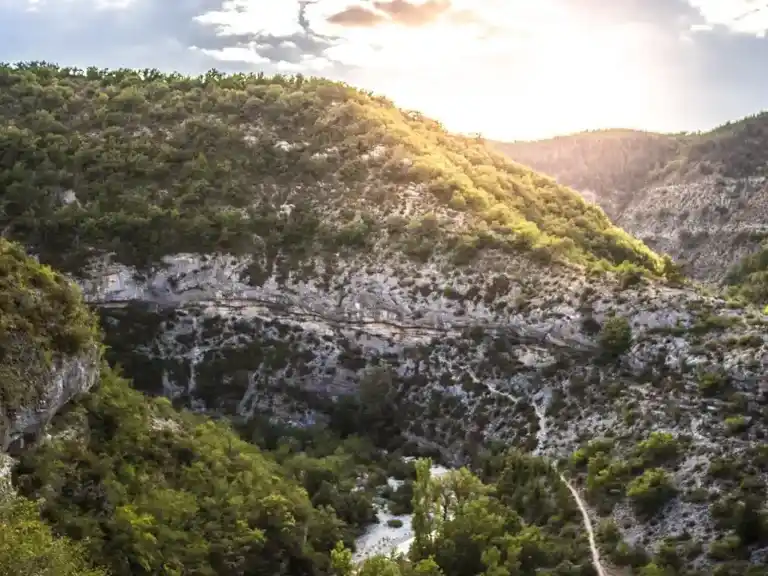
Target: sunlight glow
[507,68]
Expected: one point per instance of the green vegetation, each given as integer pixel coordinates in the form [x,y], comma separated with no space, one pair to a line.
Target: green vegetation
[749,277]
[651,491]
[659,448]
[615,337]
[605,161]
[28,546]
[145,164]
[639,477]
[712,383]
[296,173]
[42,319]
[149,490]
[618,166]
[153,491]
[617,163]
[519,519]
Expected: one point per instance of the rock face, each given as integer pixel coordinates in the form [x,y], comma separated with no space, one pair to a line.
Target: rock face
[701,198]
[278,245]
[68,378]
[708,224]
[49,351]
[481,353]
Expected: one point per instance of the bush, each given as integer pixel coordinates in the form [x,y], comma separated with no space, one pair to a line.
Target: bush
[28,546]
[658,448]
[400,501]
[651,491]
[615,337]
[736,424]
[712,383]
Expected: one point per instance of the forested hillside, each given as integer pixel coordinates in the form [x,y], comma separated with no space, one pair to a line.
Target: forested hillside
[611,164]
[700,197]
[129,484]
[301,288]
[144,165]
[621,161]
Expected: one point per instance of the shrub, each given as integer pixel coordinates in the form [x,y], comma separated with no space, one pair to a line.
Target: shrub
[712,383]
[651,491]
[659,447]
[29,546]
[736,424]
[615,337]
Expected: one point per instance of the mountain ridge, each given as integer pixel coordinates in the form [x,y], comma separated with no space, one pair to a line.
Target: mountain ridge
[335,262]
[699,197]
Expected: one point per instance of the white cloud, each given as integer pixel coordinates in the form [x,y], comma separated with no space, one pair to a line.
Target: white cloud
[97,4]
[509,68]
[308,64]
[276,17]
[742,16]
[548,64]
[245,54]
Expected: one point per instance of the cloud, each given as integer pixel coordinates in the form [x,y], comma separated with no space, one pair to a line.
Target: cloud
[391,12]
[357,16]
[412,14]
[661,13]
[510,68]
[741,16]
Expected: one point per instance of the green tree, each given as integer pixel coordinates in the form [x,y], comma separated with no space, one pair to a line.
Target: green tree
[28,546]
[615,337]
[651,491]
[341,560]
[423,521]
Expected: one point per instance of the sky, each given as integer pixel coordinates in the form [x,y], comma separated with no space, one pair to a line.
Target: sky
[507,69]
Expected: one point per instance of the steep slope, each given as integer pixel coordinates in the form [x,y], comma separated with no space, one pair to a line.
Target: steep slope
[271,246]
[154,491]
[49,354]
[48,349]
[148,166]
[699,197]
[606,166]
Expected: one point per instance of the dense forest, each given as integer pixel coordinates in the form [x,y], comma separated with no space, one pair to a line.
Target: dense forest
[142,164]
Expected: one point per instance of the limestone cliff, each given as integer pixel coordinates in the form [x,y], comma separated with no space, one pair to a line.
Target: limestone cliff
[48,349]
[702,198]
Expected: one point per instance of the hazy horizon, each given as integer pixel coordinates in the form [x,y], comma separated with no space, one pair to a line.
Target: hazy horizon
[508,69]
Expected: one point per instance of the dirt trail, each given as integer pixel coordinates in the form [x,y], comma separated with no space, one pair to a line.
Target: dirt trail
[588,527]
[541,435]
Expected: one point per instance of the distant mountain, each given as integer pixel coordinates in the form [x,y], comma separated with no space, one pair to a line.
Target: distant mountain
[297,252]
[702,198]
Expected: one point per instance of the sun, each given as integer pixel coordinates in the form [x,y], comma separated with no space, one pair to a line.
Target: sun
[511,70]
[538,88]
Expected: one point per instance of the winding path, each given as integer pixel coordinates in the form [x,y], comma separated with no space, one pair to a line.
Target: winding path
[541,413]
[588,527]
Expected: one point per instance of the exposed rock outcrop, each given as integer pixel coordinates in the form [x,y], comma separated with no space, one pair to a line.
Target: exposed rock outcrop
[471,355]
[49,345]
[67,378]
